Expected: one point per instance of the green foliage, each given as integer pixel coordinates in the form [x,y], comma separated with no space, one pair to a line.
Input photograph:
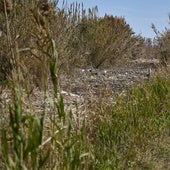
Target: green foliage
[131,125]
[25,133]
[22,145]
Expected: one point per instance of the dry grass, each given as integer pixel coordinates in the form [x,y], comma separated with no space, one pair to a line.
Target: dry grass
[44,126]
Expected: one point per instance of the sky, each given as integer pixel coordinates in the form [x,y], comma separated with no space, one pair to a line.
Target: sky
[139,14]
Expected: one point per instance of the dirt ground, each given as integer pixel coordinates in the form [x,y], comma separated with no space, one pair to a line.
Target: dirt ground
[103,82]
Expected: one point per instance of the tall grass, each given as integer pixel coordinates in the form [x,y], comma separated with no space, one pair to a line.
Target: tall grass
[27,143]
[121,136]
[130,128]
[110,136]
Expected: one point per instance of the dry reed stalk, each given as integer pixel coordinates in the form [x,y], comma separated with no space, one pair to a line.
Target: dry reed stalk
[6,5]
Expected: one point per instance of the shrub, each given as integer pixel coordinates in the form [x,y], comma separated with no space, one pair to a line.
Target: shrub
[100,41]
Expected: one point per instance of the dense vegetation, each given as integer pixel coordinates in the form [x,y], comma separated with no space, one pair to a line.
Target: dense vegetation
[41,41]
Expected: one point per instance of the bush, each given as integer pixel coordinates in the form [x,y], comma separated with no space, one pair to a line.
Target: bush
[162,42]
[100,41]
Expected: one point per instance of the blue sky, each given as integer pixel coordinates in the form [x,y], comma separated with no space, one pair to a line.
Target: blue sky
[140,14]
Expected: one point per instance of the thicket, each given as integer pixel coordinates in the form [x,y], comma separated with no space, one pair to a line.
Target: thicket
[39,40]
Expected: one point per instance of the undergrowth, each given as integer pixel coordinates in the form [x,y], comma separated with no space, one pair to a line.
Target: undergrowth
[38,39]
[123,135]
[128,130]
